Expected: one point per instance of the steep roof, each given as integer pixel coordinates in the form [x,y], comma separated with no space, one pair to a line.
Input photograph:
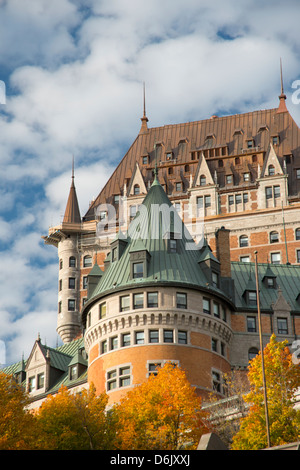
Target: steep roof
[215,132]
[72,212]
[149,232]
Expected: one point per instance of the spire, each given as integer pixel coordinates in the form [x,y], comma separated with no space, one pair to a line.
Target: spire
[282,97]
[72,213]
[144,119]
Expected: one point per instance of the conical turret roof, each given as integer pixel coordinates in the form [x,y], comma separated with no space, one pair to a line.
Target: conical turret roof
[72,212]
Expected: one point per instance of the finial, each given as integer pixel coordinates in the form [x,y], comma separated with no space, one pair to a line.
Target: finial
[144,119]
[282,97]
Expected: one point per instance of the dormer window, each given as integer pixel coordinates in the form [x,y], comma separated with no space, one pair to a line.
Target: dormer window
[138,270]
[250,143]
[202,180]
[252,298]
[275,139]
[271,170]
[136,189]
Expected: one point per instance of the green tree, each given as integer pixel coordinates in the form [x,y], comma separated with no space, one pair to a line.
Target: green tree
[282,381]
[17,423]
[162,413]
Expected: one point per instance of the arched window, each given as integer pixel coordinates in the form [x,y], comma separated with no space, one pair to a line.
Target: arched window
[271,170]
[274,237]
[136,189]
[72,262]
[252,353]
[87,261]
[244,241]
[202,180]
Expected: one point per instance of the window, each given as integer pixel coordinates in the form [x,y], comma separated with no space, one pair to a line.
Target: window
[84,282]
[102,310]
[125,339]
[244,241]
[103,347]
[153,336]
[224,318]
[168,336]
[271,170]
[269,192]
[252,353]
[250,144]
[145,160]
[136,189]
[132,212]
[271,283]
[181,300]
[214,344]
[274,237]
[60,264]
[124,303]
[73,372]
[31,384]
[138,270]
[71,282]
[276,191]
[115,254]
[124,376]
[178,187]
[182,337]
[111,380]
[103,215]
[60,284]
[246,176]
[237,161]
[282,326]
[87,261]
[199,203]
[41,380]
[216,310]
[229,179]
[59,307]
[230,200]
[298,256]
[72,262]
[216,380]
[202,180]
[139,337]
[152,299]
[297,233]
[238,199]
[116,198]
[275,140]
[207,201]
[252,298]
[298,173]
[153,368]
[138,300]
[113,343]
[206,305]
[215,279]
[172,245]
[245,259]
[71,305]
[245,198]
[275,258]
[223,349]
[251,324]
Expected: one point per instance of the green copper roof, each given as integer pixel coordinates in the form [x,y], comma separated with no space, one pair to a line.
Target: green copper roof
[287,280]
[149,233]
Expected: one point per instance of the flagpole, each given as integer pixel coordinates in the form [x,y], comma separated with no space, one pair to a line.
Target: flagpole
[262,352]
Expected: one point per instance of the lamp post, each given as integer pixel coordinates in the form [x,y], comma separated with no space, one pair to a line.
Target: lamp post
[262,352]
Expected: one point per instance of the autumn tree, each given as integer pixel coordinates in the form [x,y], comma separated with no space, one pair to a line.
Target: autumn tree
[282,381]
[75,421]
[17,423]
[162,413]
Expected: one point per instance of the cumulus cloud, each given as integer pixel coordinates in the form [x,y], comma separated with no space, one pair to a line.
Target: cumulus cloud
[73,71]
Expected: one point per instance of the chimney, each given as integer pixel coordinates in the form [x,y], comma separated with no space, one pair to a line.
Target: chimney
[223,251]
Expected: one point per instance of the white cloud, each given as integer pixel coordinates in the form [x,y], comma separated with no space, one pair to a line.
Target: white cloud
[74,73]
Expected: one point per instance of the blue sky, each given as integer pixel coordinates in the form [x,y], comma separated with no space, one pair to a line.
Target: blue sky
[73,72]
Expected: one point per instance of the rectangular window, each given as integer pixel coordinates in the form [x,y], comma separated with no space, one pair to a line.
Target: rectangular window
[206,305]
[245,198]
[138,300]
[73,372]
[71,282]
[41,380]
[216,310]
[103,347]
[199,202]
[230,200]
[124,376]
[115,254]
[207,201]
[102,310]
[246,176]
[31,384]
[276,191]
[251,324]
[138,270]
[215,279]
[132,212]
[153,368]
[269,192]
[282,326]
[275,258]
[216,378]
[245,259]
[298,256]
[126,339]
[113,343]
[178,187]
[152,299]
[181,300]
[182,337]
[168,336]
[224,317]
[238,198]
[71,305]
[252,298]
[214,344]
[124,303]
[153,336]
[139,337]
[111,380]
[84,282]
[172,246]
[229,179]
